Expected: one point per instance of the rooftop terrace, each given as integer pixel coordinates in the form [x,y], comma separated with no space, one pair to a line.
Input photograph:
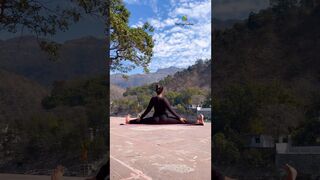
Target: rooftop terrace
[159,151]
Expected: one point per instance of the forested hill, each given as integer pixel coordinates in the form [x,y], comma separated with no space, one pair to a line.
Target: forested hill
[269,45]
[266,80]
[19,97]
[190,86]
[79,58]
[197,75]
[116,92]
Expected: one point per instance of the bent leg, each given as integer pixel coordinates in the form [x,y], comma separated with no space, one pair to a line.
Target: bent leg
[134,121]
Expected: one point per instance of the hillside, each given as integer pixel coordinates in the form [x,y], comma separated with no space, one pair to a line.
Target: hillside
[266,47]
[19,97]
[197,75]
[186,87]
[79,58]
[39,129]
[142,79]
[116,92]
[265,80]
[20,101]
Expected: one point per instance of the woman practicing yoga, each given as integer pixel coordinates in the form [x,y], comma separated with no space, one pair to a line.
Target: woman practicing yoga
[160,116]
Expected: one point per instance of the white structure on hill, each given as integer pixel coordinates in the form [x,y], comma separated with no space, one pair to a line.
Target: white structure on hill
[264,141]
[205,111]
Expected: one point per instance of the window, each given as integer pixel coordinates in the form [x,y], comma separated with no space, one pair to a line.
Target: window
[257,140]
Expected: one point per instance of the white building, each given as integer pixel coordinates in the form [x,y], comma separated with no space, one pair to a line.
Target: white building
[205,111]
[264,141]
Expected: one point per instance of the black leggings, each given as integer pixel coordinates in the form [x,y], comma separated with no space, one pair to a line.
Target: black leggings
[103,172]
[161,119]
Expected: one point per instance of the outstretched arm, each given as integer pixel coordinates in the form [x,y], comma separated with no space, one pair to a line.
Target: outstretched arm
[170,109]
[148,109]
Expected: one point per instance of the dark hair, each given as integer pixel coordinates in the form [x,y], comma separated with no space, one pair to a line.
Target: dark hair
[159,89]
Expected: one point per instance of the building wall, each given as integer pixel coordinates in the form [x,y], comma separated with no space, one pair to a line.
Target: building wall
[305,164]
[265,141]
[206,112]
[306,159]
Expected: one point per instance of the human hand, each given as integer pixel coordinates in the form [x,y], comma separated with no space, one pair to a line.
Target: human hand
[138,119]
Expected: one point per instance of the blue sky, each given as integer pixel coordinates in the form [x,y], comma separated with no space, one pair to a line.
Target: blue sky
[174,45]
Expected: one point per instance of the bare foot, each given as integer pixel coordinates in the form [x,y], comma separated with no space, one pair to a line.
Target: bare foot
[127,119]
[200,120]
[292,172]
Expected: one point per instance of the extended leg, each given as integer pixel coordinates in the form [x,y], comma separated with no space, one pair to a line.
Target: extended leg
[148,120]
[103,173]
[169,120]
[173,120]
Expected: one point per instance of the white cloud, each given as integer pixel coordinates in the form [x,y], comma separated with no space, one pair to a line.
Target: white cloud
[160,24]
[156,23]
[152,3]
[170,22]
[179,46]
[198,10]
[182,46]
[139,24]
[154,6]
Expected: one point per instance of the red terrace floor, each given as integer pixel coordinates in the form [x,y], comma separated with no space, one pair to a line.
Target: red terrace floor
[155,152]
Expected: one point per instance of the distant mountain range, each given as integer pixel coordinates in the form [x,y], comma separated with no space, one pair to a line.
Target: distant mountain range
[79,58]
[142,79]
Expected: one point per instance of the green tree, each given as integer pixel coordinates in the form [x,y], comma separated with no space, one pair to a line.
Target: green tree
[143,100]
[44,20]
[253,157]
[181,109]
[208,101]
[308,133]
[225,151]
[171,96]
[235,108]
[185,96]
[197,99]
[134,45]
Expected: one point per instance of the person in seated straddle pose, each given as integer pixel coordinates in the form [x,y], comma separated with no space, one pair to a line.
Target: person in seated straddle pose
[160,116]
